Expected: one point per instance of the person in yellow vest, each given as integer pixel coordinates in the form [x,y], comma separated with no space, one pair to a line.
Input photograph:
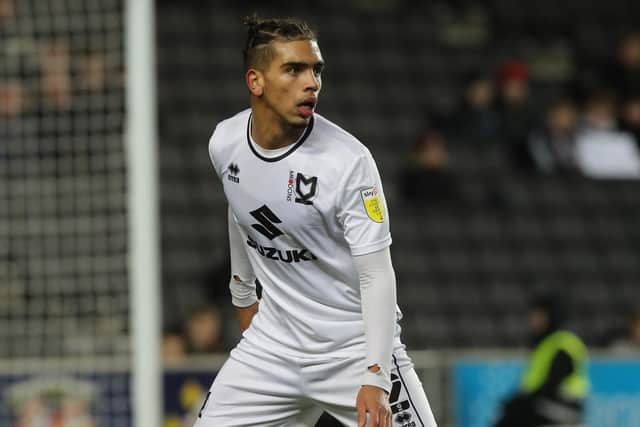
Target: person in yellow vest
[554,384]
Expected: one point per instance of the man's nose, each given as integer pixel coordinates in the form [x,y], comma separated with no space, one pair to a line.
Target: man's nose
[313,81]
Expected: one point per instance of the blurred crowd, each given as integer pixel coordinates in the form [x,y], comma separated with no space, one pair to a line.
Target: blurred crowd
[205,331]
[211,329]
[625,338]
[584,127]
[210,326]
[587,126]
[46,72]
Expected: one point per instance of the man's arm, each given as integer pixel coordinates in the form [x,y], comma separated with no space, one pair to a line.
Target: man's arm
[361,211]
[245,314]
[242,284]
[378,294]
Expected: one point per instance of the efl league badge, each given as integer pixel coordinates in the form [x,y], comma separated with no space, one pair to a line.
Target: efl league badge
[373,203]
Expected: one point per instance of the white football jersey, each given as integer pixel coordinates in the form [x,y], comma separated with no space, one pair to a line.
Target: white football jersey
[303,211]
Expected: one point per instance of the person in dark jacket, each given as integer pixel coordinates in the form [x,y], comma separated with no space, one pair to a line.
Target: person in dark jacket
[554,384]
[552,146]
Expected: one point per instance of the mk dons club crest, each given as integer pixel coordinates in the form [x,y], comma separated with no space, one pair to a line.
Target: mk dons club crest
[373,204]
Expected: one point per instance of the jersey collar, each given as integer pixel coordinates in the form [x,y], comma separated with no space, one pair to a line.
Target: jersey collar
[293,148]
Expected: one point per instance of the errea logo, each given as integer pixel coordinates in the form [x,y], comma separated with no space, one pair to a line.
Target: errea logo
[234,170]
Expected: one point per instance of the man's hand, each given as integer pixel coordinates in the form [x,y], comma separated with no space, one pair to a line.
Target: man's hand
[374,401]
[244,315]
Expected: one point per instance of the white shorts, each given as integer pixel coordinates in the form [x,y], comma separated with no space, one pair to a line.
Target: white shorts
[263,389]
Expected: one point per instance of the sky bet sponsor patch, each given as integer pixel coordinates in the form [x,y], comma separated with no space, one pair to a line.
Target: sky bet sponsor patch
[373,203]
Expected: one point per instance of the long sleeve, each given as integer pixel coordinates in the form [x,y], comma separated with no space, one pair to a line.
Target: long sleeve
[378,293]
[242,283]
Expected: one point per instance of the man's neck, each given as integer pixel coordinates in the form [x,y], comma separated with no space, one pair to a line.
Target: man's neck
[269,132]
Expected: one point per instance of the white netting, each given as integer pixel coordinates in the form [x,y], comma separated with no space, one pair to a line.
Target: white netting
[63,236]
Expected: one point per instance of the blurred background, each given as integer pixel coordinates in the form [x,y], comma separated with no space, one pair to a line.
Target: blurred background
[507,135]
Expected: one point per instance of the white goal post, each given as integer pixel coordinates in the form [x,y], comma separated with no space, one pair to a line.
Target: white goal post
[144,241]
[79,235]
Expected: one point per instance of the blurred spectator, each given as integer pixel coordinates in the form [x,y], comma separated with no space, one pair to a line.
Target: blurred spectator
[14,124]
[174,346]
[602,150]
[7,9]
[13,98]
[92,72]
[76,413]
[624,73]
[599,112]
[34,412]
[630,116]
[629,339]
[427,176]
[517,116]
[204,331]
[430,153]
[56,78]
[477,120]
[554,384]
[552,147]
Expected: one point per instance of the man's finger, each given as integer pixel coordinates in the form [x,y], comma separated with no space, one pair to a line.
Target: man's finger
[362,416]
[387,418]
[374,417]
[382,416]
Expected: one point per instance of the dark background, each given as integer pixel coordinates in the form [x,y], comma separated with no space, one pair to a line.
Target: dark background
[467,262]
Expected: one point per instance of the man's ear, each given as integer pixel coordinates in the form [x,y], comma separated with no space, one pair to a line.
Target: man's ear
[255,81]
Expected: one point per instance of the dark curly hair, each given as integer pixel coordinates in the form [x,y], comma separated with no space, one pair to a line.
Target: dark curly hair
[262,31]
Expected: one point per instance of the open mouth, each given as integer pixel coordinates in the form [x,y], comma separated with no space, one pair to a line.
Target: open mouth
[307,106]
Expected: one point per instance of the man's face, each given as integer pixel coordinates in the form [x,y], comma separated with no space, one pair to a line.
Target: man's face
[538,320]
[631,112]
[204,330]
[562,118]
[292,80]
[480,93]
[515,91]
[631,51]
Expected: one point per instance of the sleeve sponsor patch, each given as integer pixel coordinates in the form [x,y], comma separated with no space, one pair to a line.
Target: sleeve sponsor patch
[373,203]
